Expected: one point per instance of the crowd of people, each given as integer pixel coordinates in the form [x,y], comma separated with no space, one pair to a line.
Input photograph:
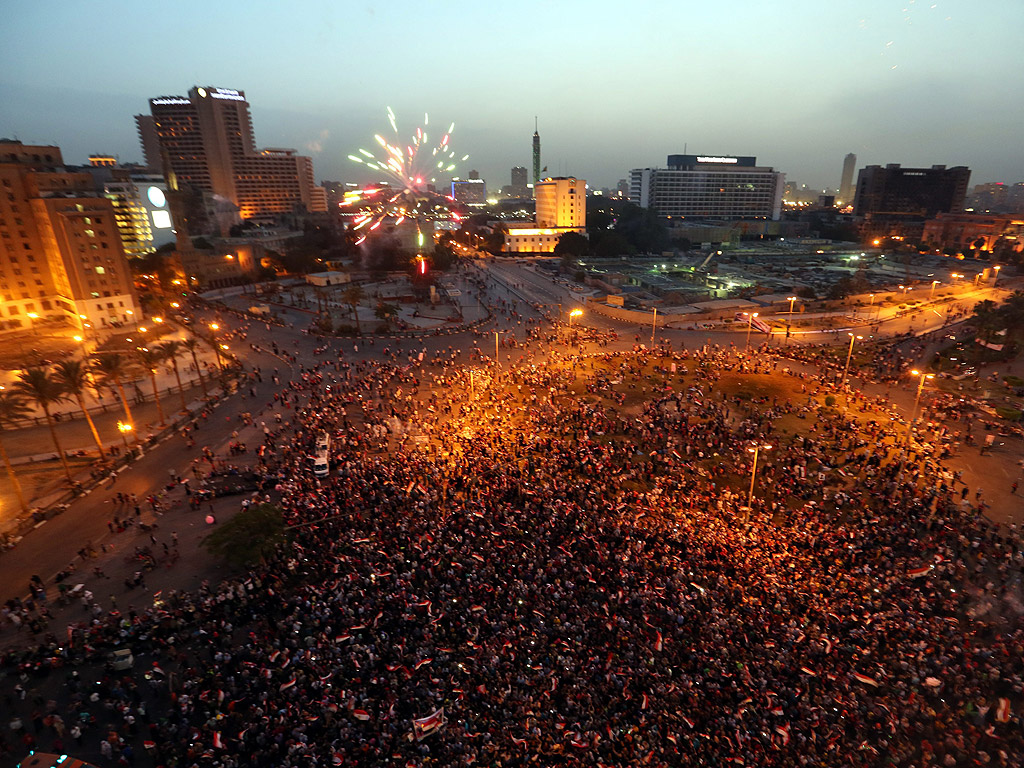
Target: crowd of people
[560,563]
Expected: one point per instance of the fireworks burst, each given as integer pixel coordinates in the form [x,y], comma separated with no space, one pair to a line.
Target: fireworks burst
[408,169]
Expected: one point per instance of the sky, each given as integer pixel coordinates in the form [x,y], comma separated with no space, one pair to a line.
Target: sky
[613,85]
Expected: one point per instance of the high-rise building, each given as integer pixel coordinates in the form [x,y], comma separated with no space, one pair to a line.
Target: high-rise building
[470,191]
[896,202]
[561,208]
[141,212]
[846,182]
[61,257]
[520,186]
[536,155]
[709,187]
[150,141]
[206,140]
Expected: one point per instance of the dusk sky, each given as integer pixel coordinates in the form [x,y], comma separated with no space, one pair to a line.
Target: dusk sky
[615,85]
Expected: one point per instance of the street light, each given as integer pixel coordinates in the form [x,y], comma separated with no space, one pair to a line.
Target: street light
[997,267]
[750,325]
[124,429]
[849,354]
[913,414]
[791,299]
[753,472]
[932,292]
[32,317]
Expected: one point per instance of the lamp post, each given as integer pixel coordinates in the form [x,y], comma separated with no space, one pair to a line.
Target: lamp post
[791,299]
[654,325]
[32,317]
[931,293]
[216,345]
[750,325]
[496,360]
[997,267]
[574,313]
[124,429]
[849,354]
[753,472]
[913,414]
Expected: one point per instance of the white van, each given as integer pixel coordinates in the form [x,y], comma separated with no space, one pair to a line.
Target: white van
[321,465]
[323,442]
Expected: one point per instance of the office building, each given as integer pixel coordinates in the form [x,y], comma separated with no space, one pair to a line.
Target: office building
[61,258]
[709,187]
[472,192]
[150,142]
[206,141]
[846,182]
[141,211]
[892,201]
[561,208]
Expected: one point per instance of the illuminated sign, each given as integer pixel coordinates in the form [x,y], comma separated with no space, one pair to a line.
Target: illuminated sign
[161,219]
[156,196]
[227,93]
[717,159]
[169,101]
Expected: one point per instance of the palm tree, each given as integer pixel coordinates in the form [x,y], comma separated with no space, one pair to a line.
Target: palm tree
[170,351]
[74,378]
[39,385]
[12,409]
[151,359]
[192,344]
[352,296]
[112,367]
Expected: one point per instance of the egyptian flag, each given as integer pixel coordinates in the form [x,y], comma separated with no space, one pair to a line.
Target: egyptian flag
[1003,711]
[808,671]
[338,759]
[217,743]
[783,731]
[658,643]
[917,573]
[360,714]
[149,745]
[865,679]
[519,742]
[425,726]
[422,663]
[286,686]
[689,722]
[643,701]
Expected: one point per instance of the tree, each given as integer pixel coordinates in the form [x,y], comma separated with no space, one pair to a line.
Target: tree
[352,296]
[73,376]
[150,360]
[249,537]
[191,344]
[571,246]
[612,244]
[39,385]
[12,410]
[112,368]
[170,351]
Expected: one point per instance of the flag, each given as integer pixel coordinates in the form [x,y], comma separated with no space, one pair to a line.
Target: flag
[865,679]
[286,686]
[217,743]
[360,714]
[422,663]
[643,701]
[917,573]
[689,722]
[519,742]
[783,731]
[425,726]
[149,745]
[808,671]
[658,644]
[158,671]
[828,645]
[1003,711]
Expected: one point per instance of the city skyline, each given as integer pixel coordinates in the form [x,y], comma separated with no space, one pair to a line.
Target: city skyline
[870,80]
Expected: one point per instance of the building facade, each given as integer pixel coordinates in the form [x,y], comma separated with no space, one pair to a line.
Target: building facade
[141,211]
[472,192]
[61,257]
[846,182]
[206,141]
[963,232]
[893,201]
[709,187]
[561,208]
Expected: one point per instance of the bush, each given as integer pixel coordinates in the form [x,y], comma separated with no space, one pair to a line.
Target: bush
[248,537]
[1010,414]
[1014,381]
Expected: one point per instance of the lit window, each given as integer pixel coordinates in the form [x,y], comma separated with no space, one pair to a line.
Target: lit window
[100,271]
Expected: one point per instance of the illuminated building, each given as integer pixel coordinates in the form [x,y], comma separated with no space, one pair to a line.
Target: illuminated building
[206,140]
[895,201]
[958,232]
[61,256]
[561,208]
[709,187]
[471,192]
[103,161]
[141,211]
[846,182]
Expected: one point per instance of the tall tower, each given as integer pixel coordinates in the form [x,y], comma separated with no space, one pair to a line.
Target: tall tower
[846,183]
[536,157]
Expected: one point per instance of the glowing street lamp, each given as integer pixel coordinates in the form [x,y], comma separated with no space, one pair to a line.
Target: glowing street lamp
[124,429]
[753,472]
[932,292]
[750,325]
[849,354]
[922,376]
[32,317]
[791,299]
[997,267]
[575,313]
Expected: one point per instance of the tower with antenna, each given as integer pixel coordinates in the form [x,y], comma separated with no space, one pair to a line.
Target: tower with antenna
[536,156]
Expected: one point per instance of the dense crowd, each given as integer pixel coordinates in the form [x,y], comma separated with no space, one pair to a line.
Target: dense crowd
[556,565]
